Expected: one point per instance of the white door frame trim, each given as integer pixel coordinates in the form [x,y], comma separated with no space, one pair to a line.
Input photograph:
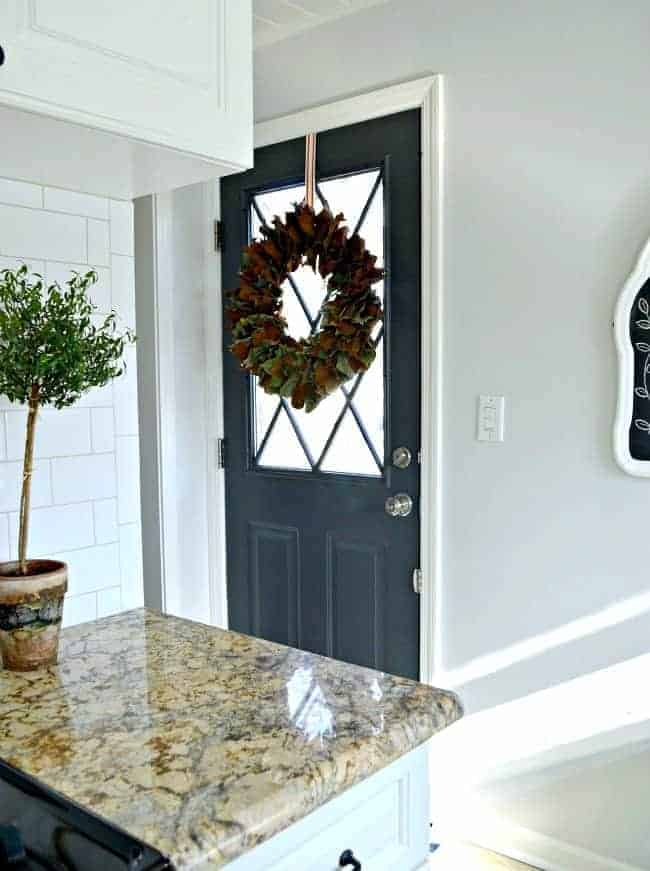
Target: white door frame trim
[424,94]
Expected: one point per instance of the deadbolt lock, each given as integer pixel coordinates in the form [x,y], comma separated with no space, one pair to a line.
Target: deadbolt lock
[402,457]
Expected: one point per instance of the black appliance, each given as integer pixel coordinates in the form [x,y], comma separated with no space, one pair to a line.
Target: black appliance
[42,830]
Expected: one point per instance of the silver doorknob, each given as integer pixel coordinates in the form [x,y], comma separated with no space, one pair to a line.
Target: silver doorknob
[399,505]
[402,457]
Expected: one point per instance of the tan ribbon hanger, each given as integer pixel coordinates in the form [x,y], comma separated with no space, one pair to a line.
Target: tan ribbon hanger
[310,169]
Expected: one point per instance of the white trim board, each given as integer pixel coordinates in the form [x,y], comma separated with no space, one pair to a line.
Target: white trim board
[214,409]
[351,110]
[425,94]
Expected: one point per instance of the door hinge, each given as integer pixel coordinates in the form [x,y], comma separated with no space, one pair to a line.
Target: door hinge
[218,235]
[417,581]
[221,453]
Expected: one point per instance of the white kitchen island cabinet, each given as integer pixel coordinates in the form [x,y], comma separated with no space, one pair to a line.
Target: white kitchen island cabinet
[125,98]
[383,822]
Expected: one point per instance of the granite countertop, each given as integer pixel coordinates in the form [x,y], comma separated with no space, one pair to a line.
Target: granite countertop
[202,742]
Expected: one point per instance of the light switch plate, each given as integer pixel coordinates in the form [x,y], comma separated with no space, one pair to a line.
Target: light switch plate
[490,415]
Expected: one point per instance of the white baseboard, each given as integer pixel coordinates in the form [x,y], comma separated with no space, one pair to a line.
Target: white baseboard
[541,851]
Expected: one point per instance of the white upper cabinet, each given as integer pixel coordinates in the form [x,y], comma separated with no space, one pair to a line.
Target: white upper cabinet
[166,86]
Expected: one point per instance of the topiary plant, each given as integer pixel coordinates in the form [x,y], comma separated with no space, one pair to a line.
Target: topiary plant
[53,349]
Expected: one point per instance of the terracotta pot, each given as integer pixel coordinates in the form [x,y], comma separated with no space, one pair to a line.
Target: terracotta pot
[31,607]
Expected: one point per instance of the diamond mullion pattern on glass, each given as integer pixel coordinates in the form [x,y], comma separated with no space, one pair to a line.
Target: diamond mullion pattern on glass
[260,216]
[339,420]
[368,401]
[291,440]
[265,437]
[366,208]
[283,449]
[349,193]
[296,429]
[364,433]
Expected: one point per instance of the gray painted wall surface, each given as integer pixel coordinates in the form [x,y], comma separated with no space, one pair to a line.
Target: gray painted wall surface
[548,203]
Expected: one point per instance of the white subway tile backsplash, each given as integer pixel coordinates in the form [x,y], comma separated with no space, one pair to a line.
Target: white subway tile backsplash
[42,235]
[79,609]
[55,232]
[93,568]
[128,479]
[122,236]
[20,193]
[5,550]
[103,430]
[100,293]
[79,479]
[14,263]
[98,242]
[126,396]
[11,480]
[105,512]
[109,601]
[56,529]
[123,281]
[90,206]
[131,566]
[58,432]
[98,396]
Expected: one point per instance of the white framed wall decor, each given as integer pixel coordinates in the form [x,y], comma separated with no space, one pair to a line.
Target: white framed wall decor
[632,335]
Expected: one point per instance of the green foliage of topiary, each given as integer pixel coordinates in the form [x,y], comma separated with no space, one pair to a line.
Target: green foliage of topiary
[53,349]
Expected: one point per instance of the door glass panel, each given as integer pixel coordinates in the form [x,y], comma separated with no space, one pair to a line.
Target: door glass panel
[366,401]
[345,433]
[312,289]
[349,194]
[272,203]
[294,308]
[349,454]
[282,449]
[317,425]
[266,407]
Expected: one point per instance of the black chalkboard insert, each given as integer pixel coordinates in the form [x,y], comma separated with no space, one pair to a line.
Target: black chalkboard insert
[640,339]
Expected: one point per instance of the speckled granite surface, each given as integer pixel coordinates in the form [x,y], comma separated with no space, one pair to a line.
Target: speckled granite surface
[205,743]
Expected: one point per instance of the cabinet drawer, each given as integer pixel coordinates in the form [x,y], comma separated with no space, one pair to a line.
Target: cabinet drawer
[384,821]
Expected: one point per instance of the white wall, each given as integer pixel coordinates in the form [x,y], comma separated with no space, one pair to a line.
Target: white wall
[593,816]
[547,205]
[86,495]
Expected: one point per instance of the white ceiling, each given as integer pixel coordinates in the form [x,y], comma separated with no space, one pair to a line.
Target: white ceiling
[274,20]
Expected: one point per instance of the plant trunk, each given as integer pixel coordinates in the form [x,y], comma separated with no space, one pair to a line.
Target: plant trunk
[28,468]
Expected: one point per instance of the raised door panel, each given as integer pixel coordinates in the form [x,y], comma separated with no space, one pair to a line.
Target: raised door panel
[174,74]
[273,554]
[355,600]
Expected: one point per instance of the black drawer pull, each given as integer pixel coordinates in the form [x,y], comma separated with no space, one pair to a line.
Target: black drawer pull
[347,858]
[2,55]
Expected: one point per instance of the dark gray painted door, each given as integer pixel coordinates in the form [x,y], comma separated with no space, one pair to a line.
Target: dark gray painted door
[314,560]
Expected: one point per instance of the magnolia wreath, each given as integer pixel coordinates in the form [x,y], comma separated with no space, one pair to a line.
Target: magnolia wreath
[306,369]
